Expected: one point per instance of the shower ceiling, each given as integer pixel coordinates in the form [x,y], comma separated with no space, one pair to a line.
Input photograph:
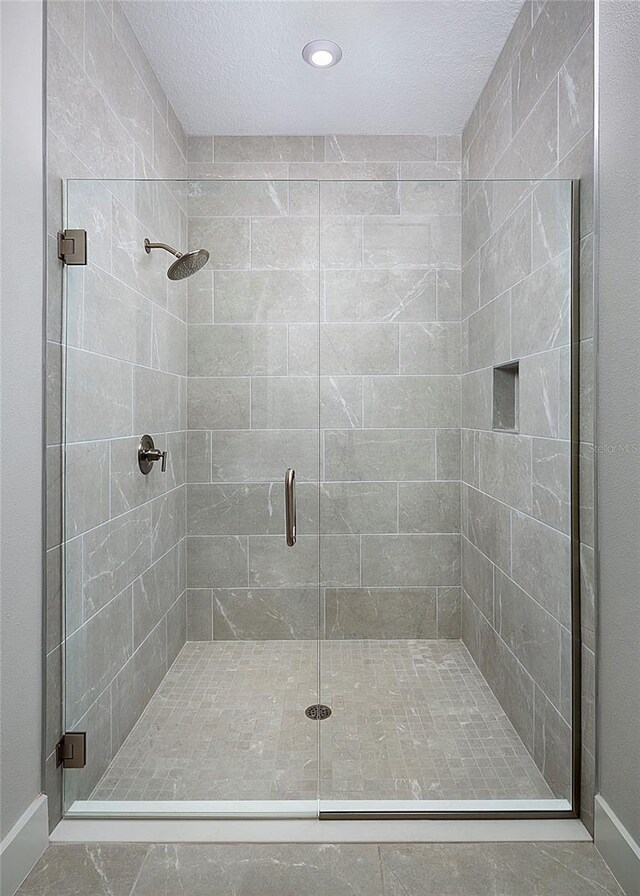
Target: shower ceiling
[408,67]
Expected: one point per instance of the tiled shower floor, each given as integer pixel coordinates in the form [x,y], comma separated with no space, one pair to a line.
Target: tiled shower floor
[411,720]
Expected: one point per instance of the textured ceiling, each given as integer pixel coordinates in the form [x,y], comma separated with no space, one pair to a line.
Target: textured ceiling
[408,67]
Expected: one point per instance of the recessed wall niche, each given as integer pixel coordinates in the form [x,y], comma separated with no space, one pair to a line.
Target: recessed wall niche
[506,397]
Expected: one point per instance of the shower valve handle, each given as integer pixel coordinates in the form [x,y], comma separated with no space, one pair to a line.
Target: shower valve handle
[148,454]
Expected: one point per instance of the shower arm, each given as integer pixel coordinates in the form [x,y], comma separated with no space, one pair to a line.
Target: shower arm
[149,246]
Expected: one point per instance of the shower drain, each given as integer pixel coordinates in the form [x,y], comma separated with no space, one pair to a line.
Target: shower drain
[318,712]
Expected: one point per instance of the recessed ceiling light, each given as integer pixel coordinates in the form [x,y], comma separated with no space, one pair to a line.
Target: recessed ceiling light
[322,53]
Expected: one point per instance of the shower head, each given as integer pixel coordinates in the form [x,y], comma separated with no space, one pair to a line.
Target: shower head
[184,265]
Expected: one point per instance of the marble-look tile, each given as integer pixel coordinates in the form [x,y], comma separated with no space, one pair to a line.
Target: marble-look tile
[284,402]
[277,296]
[168,521]
[86,486]
[540,401]
[361,198]
[220,402]
[168,343]
[176,625]
[356,349]
[449,623]
[380,149]
[271,870]
[226,239]
[235,509]
[114,554]
[551,222]
[506,256]
[477,578]
[79,114]
[157,405]
[155,591]
[263,149]
[116,320]
[265,614]
[531,633]
[428,507]
[285,243]
[507,678]
[98,397]
[411,401]
[200,298]
[383,454]
[273,565]
[477,397]
[421,197]
[135,684]
[381,295]
[551,483]
[340,242]
[264,455]
[410,560]
[330,171]
[237,350]
[540,307]
[552,746]
[493,135]
[95,653]
[142,272]
[448,458]
[199,614]
[412,242]
[116,78]
[504,462]
[489,523]
[380,613]
[430,348]
[198,457]
[487,335]
[340,402]
[103,869]
[216,561]
[496,869]
[533,151]
[239,199]
[357,507]
[537,547]
[551,39]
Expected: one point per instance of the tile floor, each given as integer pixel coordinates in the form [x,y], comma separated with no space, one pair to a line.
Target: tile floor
[451,869]
[411,720]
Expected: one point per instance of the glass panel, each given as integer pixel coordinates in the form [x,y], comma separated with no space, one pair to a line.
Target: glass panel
[191,627]
[446,549]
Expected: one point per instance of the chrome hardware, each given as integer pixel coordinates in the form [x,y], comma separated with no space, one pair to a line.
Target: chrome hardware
[72,246]
[71,751]
[148,454]
[290,506]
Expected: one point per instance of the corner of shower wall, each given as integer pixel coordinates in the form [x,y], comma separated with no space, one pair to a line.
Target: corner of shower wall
[534,120]
[97,128]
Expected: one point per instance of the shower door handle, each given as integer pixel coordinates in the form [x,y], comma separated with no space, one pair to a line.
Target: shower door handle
[290,506]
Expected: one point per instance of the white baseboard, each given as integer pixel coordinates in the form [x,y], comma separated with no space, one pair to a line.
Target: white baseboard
[617,847]
[23,846]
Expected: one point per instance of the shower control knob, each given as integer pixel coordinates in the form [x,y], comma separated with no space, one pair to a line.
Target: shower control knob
[148,454]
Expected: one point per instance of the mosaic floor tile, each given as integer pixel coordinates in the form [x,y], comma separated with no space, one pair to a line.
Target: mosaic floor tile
[410,720]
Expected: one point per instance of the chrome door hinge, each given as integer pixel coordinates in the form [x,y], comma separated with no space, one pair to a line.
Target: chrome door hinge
[72,246]
[71,751]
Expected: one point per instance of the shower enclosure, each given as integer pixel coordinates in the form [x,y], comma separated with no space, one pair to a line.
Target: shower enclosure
[409,349]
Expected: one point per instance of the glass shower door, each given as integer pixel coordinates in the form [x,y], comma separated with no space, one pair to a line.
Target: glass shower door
[191,638]
[448,363]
